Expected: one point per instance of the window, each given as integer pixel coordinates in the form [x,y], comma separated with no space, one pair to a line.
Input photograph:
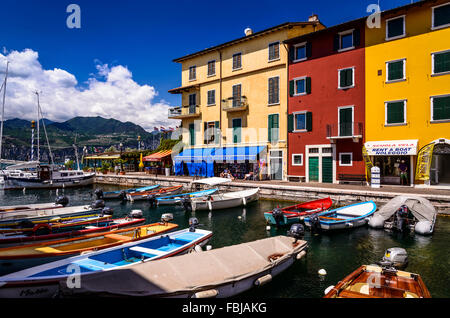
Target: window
[192,73]
[237,124]
[274,51]
[345,119]
[300,86]
[327,150]
[274,90]
[345,158]
[297,159]
[441,62]
[441,16]
[274,125]
[395,28]
[300,122]
[313,150]
[440,107]
[212,97]
[192,134]
[192,103]
[237,95]
[212,68]
[210,132]
[396,112]
[346,40]
[237,61]
[346,78]
[395,70]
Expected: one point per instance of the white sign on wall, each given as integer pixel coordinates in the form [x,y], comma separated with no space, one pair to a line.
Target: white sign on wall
[392,148]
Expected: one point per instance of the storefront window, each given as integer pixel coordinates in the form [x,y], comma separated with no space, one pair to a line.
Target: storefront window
[394,169]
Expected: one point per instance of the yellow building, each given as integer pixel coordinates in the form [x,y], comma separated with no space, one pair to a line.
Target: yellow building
[234,101]
[408,94]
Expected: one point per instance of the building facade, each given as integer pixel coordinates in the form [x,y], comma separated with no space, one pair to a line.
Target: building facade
[408,94]
[326,104]
[234,104]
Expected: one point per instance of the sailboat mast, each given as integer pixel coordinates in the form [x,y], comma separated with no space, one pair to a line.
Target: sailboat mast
[3,109]
[38,149]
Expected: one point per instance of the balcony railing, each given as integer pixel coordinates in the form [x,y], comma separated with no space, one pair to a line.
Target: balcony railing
[350,130]
[181,112]
[235,104]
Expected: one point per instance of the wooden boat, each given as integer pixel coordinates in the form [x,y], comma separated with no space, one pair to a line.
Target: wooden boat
[16,258]
[222,272]
[349,216]
[122,194]
[224,200]
[177,198]
[20,238]
[30,207]
[296,213]
[143,195]
[371,281]
[8,219]
[43,280]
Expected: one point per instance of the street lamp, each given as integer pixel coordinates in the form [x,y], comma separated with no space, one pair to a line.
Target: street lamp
[139,143]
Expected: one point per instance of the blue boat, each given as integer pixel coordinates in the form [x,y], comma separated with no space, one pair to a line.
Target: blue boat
[349,216]
[176,198]
[121,194]
[44,280]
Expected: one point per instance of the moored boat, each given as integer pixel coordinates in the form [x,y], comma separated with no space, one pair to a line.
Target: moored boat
[143,195]
[16,258]
[350,216]
[121,194]
[222,272]
[24,208]
[43,280]
[296,213]
[177,198]
[222,200]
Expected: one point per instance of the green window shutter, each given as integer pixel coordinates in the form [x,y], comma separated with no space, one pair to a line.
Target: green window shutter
[342,81]
[192,134]
[217,132]
[442,62]
[441,108]
[308,85]
[395,70]
[349,77]
[270,126]
[290,122]
[291,88]
[205,137]
[308,121]
[275,126]
[395,113]
[442,15]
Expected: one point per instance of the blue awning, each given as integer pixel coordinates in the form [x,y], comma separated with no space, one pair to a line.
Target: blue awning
[237,153]
[195,155]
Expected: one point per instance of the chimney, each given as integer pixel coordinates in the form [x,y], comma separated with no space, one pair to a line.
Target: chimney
[248,31]
[313,18]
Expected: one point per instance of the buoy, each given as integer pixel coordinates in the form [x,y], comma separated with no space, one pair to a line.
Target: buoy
[327,290]
[23,190]
[268,227]
[322,272]
[198,248]
[239,217]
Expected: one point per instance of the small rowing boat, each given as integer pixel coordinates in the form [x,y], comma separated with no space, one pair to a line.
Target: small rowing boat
[143,195]
[43,280]
[296,213]
[177,198]
[121,194]
[223,200]
[350,216]
[24,208]
[16,258]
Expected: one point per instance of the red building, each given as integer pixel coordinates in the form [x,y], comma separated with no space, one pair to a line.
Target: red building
[326,104]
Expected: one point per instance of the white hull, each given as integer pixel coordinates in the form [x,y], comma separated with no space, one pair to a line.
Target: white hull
[11,184]
[225,200]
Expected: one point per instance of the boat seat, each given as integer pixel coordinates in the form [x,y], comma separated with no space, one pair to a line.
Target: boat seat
[47,249]
[93,265]
[362,288]
[331,218]
[145,250]
[118,237]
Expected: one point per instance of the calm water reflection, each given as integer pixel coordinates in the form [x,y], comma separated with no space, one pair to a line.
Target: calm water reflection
[339,253]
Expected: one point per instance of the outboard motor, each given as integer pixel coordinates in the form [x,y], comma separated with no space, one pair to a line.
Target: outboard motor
[193,223]
[107,211]
[99,194]
[136,214]
[296,231]
[166,217]
[152,200]
[314,220]
[277,214]
[98,204]
[63,200]
[396,257]
[186,203]
[401,219]
[123,195]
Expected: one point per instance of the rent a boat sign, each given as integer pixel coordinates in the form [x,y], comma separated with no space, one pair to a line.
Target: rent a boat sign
[392,148]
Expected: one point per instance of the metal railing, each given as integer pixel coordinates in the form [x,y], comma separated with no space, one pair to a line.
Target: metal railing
[343,130]
[184,111]
[233,103]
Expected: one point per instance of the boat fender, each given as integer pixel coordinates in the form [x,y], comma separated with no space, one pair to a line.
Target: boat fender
[263,280]
[423,227]
[301,254]
[328,289]
[322,272]
[244,201]
[42,229]
[208,247]
[209,205]
[210,293]
[198,248]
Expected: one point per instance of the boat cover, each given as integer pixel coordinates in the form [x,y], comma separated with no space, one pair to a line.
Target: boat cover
[420,207]
[190,272]
[212,181]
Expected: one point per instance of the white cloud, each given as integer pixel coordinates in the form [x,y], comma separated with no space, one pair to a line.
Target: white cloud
[110,93]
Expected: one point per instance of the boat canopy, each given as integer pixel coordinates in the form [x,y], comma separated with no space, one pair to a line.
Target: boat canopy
[212,181]
[23,165]
[420,207]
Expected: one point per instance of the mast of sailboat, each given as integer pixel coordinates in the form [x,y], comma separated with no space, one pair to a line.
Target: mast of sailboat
[3,108]
[76,152]
[40,116]
[37,137]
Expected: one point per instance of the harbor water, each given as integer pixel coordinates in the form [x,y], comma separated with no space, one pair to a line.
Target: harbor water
[338,253]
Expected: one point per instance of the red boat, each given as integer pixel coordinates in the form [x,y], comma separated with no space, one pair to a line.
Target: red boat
[103,226]
[295,213]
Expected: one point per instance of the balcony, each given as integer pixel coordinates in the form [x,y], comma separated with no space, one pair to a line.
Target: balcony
[233,104]
[351,130]
[181,112]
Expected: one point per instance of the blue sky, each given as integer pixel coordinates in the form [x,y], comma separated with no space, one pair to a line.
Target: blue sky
[145,36]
